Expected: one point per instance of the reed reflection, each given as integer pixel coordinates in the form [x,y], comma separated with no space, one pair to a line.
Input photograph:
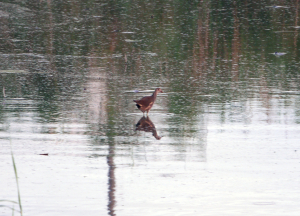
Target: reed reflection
[145,124]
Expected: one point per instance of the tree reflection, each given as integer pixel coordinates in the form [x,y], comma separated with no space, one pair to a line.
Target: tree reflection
[111,181]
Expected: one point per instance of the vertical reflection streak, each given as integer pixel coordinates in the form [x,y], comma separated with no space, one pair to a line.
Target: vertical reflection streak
[235,47]
[50,47]
[111,181]
[296,24]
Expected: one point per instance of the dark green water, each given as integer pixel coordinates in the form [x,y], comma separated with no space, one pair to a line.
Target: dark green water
[225,133]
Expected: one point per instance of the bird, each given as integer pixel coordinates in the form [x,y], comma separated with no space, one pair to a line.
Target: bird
[146,103]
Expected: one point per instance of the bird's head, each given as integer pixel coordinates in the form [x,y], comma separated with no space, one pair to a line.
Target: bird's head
[158,90]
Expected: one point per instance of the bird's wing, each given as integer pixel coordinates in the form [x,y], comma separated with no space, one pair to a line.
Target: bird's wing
[149,105]
[145,101]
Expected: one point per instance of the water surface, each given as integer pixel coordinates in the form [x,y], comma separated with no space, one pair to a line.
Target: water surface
[224,135]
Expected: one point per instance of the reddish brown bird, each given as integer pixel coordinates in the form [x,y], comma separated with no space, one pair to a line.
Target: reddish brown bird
[146,103]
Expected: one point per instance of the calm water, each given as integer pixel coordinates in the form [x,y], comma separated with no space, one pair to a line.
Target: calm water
[224,136]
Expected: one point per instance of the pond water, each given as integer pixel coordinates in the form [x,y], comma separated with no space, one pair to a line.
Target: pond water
[222,139]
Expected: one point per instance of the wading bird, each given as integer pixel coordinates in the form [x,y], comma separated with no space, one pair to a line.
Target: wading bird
[146,103]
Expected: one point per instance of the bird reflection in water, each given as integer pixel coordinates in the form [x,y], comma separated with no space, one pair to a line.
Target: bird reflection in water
[145,124]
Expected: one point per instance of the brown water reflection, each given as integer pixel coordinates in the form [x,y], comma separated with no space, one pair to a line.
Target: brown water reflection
[111,181]
[145,124]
